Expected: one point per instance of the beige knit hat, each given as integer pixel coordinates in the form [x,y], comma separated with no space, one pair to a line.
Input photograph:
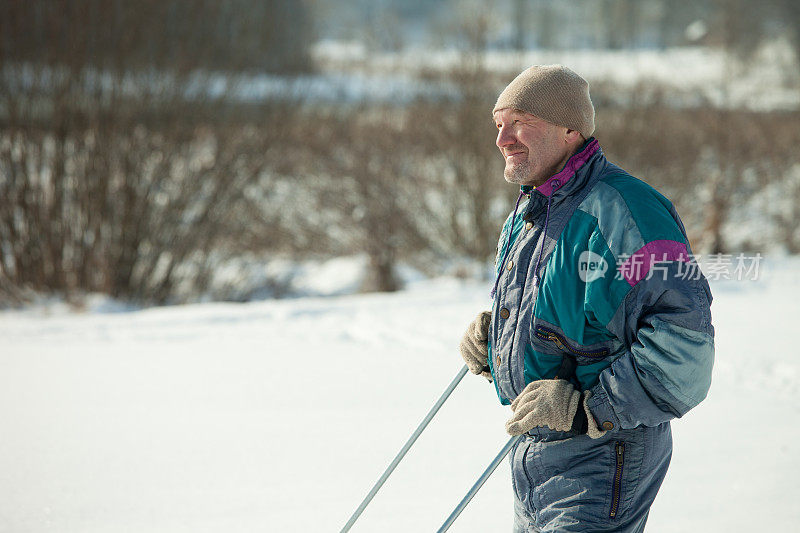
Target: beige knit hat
[553,93]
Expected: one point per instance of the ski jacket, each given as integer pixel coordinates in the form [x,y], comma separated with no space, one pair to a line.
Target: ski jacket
[595,266]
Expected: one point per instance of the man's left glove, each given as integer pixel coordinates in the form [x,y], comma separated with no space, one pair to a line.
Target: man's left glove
[554,403]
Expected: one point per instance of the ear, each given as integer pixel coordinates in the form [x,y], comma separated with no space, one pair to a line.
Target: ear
[572,136]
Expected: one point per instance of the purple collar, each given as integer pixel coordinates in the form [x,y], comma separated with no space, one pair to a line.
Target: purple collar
[575,162]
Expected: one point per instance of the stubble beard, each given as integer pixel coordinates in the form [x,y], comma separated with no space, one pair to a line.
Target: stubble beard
[521,174]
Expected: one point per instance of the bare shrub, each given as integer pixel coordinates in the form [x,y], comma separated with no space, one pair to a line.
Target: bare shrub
[707,160]
[121,159]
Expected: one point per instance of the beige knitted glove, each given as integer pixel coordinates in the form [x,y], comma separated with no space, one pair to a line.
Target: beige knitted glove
[546,402]
[474,346]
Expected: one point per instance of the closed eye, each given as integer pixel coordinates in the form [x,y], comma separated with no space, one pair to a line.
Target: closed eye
[512,123]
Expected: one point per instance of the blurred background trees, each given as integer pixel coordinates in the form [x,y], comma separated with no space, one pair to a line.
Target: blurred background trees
[146,146]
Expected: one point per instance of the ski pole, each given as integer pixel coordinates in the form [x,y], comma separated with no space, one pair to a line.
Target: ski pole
[478,484]
[405,448]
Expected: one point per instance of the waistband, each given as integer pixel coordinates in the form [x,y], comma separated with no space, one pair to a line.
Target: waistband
[543,434]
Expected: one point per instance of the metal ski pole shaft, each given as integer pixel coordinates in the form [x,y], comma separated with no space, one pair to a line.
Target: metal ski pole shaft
[405,448]
[478,484]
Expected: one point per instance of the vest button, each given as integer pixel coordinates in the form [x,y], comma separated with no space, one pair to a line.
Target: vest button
[510,265]
[504,313]
[608,426]
[497,361]
[529,225]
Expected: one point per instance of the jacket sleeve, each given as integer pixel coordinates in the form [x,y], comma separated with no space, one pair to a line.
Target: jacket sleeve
[664,324]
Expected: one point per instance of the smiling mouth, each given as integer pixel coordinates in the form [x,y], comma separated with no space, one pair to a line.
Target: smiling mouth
[514,154]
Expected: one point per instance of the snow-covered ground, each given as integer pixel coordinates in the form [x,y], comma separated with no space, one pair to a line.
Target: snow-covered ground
[690,76]
[279,415]
[348,72]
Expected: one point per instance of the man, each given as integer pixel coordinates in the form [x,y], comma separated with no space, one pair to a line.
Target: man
[600,331]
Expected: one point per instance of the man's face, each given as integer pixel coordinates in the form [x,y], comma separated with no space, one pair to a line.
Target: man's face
[533,149]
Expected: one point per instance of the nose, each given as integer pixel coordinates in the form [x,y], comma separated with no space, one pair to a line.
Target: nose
[505,136]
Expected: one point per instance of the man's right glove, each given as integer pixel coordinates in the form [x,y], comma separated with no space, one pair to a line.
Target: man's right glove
[474,346]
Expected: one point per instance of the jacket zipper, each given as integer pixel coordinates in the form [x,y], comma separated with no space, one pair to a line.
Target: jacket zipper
[561,343]
[617,487]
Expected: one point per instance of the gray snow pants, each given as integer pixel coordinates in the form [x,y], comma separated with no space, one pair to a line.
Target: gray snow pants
[565,483]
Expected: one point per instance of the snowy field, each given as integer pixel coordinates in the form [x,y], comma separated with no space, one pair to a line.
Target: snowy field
[352,73]
[278,416]
[687,73]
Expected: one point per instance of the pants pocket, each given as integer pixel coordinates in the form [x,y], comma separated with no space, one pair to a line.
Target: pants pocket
[617,480]
[627,460]
[521,480]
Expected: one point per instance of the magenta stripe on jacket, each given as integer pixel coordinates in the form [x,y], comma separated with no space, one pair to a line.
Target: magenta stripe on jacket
[636,267]
[575,162]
